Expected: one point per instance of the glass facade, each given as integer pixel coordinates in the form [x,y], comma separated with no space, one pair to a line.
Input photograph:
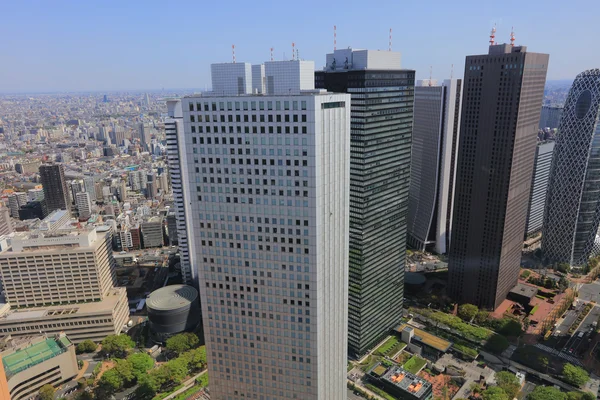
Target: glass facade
[381,131]
[573,207]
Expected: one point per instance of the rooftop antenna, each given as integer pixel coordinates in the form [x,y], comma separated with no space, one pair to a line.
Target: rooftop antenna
[390,46]
[493,36]
[512,37]
[293,50]
[452,71]
[233,52]
[298,54]
[272,53]
[430,75]
[334,38]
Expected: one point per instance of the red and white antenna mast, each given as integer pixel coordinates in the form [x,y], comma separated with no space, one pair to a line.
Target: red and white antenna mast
[512,37]
[390,45]
[233,52]
[493,36]
[272,53]
[334,37]
[293,51]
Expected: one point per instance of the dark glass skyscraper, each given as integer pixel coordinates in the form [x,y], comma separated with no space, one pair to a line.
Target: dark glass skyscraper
[502,99]
[55,187]
[381,130]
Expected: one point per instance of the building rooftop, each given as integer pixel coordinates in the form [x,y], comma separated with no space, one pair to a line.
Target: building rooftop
[35,354]
[427,338]
[524,290]
[404,380]
[172,297]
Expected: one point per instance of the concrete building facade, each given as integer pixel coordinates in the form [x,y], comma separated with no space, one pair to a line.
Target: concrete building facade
[434,148]
[270,212]
[502,99]
[539,187]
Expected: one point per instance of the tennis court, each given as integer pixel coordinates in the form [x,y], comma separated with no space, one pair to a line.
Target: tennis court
[32,355]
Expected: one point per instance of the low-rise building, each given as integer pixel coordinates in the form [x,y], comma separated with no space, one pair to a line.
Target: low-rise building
[30,364]
[400,383]
[423,343]
[93,320]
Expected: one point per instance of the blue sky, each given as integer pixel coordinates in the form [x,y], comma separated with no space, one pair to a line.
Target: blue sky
[119,45]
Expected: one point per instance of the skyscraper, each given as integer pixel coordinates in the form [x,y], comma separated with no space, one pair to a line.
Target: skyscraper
[84,205]
[570,232]
[15,202]
[6,226]
[550,117]
[178,170]
[382,114]
[55,187]
[539,186]
[270,182]
[434,147]
[502,98]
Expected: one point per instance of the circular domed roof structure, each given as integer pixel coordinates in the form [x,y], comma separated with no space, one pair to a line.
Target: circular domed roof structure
[172,310]
[172,297]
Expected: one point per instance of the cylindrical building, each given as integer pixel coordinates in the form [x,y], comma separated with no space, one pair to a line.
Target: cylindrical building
[172,310]
[572,213]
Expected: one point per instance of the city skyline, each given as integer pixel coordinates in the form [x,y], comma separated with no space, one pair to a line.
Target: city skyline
[93,55]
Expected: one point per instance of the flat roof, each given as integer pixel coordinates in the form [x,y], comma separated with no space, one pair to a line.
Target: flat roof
[427,338]
[524,290]
[26,314]
[406,381]
[32,355]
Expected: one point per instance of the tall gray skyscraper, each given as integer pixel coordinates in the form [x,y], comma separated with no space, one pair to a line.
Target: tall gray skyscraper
[382,115]
[539,186]
[570,232]
[550,117]
[502,98]
[269,213]
[55,187]
[434,145]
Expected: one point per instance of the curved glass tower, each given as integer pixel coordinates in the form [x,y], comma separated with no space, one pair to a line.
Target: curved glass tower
[572,211]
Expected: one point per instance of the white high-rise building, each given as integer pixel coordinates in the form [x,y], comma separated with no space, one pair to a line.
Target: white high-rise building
[35,194]
[84,204]
[15,201]
[270,177]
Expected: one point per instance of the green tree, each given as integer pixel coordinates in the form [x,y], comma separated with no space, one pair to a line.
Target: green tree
[117,345]
[544,363]
[110,382]
[177,369]
[563,267]
[140,364]
[576,376]
[195,359]
[147,388]
[580,396]
[47,392]
[84,395]
[497,344]
[509,383]
[546,393]
[467,311]
[494,393]
[182,342]
[87,346]
[482,317]
[125,370]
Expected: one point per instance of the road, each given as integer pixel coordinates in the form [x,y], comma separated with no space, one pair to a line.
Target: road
[590,291]
[352,396]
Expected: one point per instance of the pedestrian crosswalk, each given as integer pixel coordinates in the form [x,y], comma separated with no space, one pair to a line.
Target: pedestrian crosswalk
[573,360]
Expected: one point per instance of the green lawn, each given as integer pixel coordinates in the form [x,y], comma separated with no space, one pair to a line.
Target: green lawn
[390,347]
[415,364]
[466,350]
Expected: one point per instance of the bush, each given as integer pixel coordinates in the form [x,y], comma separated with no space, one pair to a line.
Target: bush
[467,311]
[468,331]
[117,345]
[546,393]
[497,344]
[87,346]
[182,342]
[509,383]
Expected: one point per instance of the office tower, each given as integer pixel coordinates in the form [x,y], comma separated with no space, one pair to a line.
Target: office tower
[99,191]
[151,189]
[105,99]
[163,180]
[539,186]
[76,186]
[77,264]
[34,209]
[172,229]
[27,167]
[145,137]
[138,180]
[146,100]
[84,205]
[152,232]
[382,114]
[550,117]
[55,187]
[177,170]
[88,183]
[570,232]
[434,146]
[35,194]
[123,191]
[6,226]
[502,98]
[15,201]
[278,198]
